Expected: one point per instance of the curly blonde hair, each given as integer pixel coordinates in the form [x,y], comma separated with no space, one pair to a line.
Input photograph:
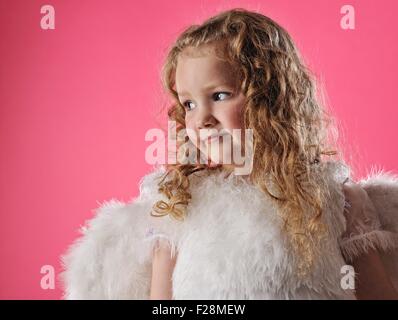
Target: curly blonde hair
[288,122]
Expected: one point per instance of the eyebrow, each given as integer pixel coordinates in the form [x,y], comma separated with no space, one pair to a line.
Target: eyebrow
[207,88]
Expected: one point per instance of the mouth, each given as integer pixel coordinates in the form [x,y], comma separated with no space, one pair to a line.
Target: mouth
[214,137]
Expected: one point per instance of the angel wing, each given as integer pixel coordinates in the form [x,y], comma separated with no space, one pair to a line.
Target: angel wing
[382,189]
[112,257]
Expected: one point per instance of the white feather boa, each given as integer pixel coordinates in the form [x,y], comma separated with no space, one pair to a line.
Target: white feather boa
[229,247]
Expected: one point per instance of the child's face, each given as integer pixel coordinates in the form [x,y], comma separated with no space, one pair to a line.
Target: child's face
[206,88]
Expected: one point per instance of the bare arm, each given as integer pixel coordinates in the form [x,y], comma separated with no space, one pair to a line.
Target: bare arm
[162,271]
[372,281]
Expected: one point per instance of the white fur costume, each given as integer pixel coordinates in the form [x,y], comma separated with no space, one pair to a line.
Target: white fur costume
[229,247]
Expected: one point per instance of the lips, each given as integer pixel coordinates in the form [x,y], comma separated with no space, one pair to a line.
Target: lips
[214,137]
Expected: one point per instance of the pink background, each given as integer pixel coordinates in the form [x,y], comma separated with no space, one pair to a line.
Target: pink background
[75,103]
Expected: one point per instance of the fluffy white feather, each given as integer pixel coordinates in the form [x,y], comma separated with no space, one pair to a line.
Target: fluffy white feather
[229,247]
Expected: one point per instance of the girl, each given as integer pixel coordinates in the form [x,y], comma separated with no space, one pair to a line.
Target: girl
[290,225]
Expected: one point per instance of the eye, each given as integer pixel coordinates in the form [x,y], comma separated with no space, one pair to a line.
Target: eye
[220,94]
[186,105]
[217,96]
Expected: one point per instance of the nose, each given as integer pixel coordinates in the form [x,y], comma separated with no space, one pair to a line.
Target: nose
[206,123]
[206,120]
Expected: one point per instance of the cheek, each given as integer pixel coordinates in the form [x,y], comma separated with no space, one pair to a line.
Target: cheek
[190,128]
[189,125]
[189,122]
[233,118]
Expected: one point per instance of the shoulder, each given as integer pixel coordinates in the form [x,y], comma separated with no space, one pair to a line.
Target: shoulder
[106,213]
[354,193]
[148,184]
[115,216]
[359,210]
